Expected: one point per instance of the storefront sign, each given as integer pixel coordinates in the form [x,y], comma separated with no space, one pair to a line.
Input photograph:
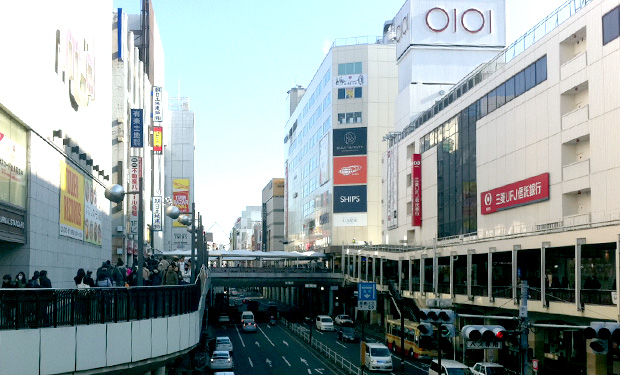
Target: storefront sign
[392,186]
[92,212]
[136,127]
[532,190]
[180,196]
[350,220]
[157,214]
[71,202]
[350,170]
[350,199]
[350,141]
[12,224]
[416,184]
[135,172]
[158,139]
[351,80]
[158,109]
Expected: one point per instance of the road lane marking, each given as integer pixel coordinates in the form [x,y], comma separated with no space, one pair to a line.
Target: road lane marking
[285,343]
[416,366]
[319,332]
[309,371]
[272,344]
[250,359]
[289,365]
[257,343]
[344,346]
[240,338]
[268,362]
[304,361]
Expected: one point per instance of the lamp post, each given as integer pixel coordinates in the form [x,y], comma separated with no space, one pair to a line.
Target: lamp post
[116,193]
[186,220]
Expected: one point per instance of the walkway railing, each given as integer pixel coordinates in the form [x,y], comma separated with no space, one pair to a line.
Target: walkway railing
[216,270]
[36,308]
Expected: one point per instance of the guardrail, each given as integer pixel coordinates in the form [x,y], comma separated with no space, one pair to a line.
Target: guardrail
[336,358]
[37,308]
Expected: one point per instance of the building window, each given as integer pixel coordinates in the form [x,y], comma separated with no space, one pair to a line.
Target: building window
[350,93]
[350,68]
[350,118]
[611,25]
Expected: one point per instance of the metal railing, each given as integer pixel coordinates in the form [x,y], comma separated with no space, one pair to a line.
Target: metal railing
[339,360]
[216,270]
[36,308]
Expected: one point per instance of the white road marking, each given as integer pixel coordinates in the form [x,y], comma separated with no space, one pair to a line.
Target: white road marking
[272,344]
[344,346]
[286,361]
[319,370]
[417,366]
[268,362]
[240,338]
[309,371]
[319,332]
[285,343]
[257,343]
[250,359]
[304,361]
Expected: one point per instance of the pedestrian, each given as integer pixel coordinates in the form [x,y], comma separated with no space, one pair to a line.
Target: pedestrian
[186,274]
[171,277]
[34,281]
[88,279]
[7,283]
[103,276]
[20,280]
[44,280]
[119,273]
[79,278]
[156,277]
[146,275]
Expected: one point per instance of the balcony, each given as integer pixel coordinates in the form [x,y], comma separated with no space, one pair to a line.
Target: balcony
[576,170]
[575,117]
[574,65]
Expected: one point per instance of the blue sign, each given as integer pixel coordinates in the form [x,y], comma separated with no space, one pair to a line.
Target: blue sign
[350,198]
[350,141]
[367,291]
[137,116]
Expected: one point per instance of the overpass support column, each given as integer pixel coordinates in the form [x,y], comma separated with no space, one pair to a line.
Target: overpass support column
[282,294]
[219,261]
[374,269]
[331,301]
[343,262]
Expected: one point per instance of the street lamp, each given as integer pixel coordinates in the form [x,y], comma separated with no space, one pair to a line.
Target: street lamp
[186,220]
[116,193]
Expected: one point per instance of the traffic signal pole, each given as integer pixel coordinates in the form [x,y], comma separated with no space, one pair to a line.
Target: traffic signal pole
[439,345]
[524,345]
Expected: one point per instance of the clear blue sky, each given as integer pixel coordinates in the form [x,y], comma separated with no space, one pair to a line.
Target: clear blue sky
[236,59]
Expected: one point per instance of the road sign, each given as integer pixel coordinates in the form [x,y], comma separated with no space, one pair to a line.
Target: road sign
[483,345]
[535,364]
[367,291]
[366,305]
[310,285]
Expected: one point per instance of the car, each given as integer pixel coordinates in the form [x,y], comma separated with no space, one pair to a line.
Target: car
[343,319]
[449,367]
[247,315]
[377,357]
[347,334]
[488,368]
[249,326]
[324,323]
[223,343]
[221,360]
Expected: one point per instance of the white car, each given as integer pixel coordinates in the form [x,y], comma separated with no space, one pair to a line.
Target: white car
[488,368]
[221,360]
[324,323]
[223,343]
[343,319]
[377,357]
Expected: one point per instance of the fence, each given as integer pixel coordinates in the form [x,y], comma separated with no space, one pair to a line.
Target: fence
[339,360]
[36,308]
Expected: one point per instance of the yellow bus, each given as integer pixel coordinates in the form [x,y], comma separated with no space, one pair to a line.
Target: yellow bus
[416,346]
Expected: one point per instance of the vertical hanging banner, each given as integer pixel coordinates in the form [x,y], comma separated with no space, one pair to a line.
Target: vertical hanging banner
[135,172]
[158,111]
[180,196]
[137,116]
[157,214]
[92,212]
[71,202]
[392,187]
[416,185]
[158,139]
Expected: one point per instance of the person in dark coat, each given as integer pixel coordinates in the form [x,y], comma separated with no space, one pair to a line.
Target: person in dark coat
[7,283]
[44,280]
[81,274]
[34,281]
[171,277]
[20,280]
[156,277]
[88,279]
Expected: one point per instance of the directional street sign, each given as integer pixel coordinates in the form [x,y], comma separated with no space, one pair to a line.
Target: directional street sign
[483,344]
[367,296]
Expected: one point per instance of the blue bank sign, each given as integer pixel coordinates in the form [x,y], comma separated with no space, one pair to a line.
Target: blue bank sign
[351,198]
[350,141]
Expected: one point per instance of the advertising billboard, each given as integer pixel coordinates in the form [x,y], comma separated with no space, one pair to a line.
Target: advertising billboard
[531,190]
[137,127]
[158,108]
[392,187]
[157,214]
[351,141]
[92,212]
[135,172]
[416,186]
[350,198]
[350,170]
[71,202]
[158,139]
[180,196]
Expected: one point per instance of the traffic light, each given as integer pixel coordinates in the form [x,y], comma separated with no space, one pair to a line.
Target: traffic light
[426,329]
[484,333]
[600,333]
[447,330]
[437,316]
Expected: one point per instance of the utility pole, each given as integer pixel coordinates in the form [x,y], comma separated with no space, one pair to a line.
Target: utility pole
[524,345]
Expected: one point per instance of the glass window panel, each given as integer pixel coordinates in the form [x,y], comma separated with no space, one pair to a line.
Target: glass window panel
[358,92]
[358,117]
[501,95]
[341,117]
[541,70]
[510,89]
[530,77]
[342,69]
[520,83]
[611,25]
[491,101]
[358,68]
[350,68]
[341,93]
[483,106]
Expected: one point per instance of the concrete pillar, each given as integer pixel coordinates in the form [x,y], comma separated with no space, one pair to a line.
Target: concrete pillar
[400,273]
[367,269]
[331,302]
[374,270]
[159,371]
[282,297]
[381,271]
[287,299]
[359,266]
[219,261]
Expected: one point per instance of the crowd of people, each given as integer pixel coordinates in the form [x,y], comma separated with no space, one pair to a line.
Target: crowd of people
[39,280]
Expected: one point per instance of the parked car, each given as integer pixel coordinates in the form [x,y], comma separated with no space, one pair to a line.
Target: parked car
[343,319]
[249,326]
[324,323]
[449,367]
[223,343]
[488,368]
[221,360]
[377,357]
[348,334]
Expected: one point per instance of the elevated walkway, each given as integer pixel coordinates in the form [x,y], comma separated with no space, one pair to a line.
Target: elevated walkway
[272,276]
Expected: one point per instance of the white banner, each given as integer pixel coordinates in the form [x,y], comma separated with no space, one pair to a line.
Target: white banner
[351,80]
[158,109]
[135,172]
[157,213]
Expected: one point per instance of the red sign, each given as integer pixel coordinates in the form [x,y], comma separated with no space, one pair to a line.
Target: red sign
[350,170]
[416,185]
[181,200]
[528,191]
[158,134]
[535,364]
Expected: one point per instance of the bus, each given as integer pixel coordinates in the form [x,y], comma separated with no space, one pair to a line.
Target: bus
[416,346]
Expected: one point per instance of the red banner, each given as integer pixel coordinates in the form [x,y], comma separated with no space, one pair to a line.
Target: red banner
[181,200]
[158,142]
[350,170]
[416,185]
[528,191]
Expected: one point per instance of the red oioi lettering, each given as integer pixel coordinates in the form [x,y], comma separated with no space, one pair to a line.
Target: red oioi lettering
[471,20]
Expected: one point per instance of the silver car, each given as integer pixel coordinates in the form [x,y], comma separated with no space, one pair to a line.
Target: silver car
[223,343]
[221,360]
[249,326]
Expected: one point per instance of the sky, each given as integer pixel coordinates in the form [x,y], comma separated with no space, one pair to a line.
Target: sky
[236,60]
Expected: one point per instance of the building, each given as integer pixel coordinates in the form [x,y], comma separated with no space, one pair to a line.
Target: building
[179,145]
[511,177]
[137,125]
[245,234]
[55,154]
[272,231]
[333,146]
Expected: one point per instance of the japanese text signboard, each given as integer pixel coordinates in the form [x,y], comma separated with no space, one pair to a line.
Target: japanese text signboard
[158,114]
[158,140]
[416,185]
[157,213]
[528,191]
[135,172]
[136,128]
[71,202]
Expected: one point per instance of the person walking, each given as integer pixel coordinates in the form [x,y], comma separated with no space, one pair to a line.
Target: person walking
[171,277]
[104,279]
[20,280]
[119,274]
[79,278]
[7,283]
[44,280]
[88,279]
[156,277]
